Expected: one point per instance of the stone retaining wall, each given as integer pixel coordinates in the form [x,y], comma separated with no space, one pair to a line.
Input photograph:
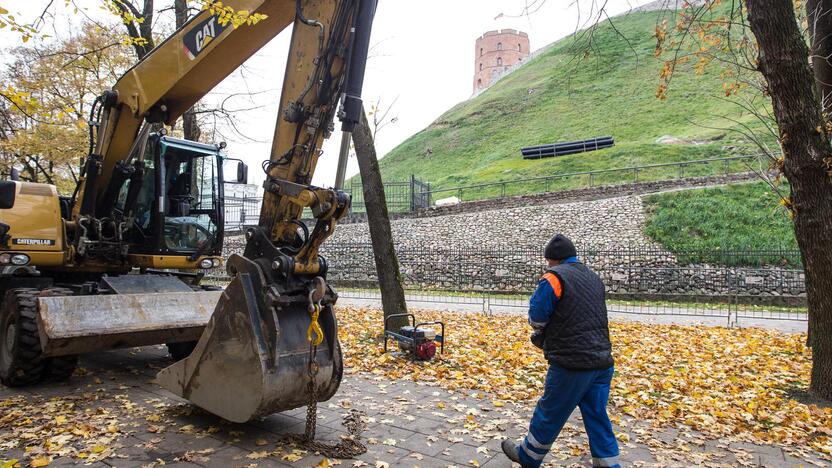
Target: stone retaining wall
[501,250]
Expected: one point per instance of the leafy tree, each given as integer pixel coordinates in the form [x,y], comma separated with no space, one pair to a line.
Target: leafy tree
[782,48]
[47,93]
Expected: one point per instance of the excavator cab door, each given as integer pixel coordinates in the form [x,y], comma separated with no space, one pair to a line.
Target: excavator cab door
[179,206]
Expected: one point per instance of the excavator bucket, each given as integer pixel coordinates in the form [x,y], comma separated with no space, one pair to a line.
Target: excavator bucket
[253,358]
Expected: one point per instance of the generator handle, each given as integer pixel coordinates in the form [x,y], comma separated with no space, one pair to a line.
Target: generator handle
[441,324]
[412,318]
[412,321]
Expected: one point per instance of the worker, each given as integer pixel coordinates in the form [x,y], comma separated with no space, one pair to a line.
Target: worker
[568,315]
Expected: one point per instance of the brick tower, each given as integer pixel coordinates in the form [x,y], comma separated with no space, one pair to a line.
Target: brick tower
[495,53]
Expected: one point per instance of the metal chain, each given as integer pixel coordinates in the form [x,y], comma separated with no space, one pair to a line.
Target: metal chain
[312,407]
[350,445]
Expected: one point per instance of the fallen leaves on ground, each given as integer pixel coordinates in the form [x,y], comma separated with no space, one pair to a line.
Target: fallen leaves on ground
[67,426]
[723,382]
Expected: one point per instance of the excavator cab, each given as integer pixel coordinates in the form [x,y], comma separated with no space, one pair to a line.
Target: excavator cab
[178,208]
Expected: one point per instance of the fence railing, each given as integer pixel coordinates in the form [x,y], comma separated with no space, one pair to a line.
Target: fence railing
[589,179]
[402,196]
[241,212]
[638,281]
[725,313]
[633,272]
[413,194]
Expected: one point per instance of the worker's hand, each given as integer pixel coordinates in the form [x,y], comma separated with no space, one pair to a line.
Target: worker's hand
[537,338]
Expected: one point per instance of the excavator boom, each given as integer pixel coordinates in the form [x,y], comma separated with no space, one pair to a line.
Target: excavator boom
[147,204]
[274,332]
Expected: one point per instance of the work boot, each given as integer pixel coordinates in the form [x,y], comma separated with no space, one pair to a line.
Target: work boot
[510,449]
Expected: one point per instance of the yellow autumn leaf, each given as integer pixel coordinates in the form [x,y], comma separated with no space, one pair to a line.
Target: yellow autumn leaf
[40,461]
[722,383]
[257,455]
[292,457]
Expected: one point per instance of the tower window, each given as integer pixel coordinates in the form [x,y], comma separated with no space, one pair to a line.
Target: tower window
[520,47]
[479,83]
[499,61]
[481,51]
[499,46]
[480,67]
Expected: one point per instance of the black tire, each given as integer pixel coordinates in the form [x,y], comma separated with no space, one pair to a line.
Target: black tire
[179,351]
[20,360]
[62,367]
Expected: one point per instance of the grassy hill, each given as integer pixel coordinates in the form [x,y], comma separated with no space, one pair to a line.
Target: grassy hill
[731,218]
[556,97]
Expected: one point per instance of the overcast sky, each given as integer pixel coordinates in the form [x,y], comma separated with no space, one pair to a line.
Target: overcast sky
[422,57]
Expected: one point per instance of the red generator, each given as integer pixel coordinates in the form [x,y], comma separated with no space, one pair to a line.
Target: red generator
[417,339]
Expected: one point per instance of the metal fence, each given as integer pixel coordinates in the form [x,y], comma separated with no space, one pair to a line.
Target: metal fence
[589,179]
[241,212]
[744,285]
[413,194]
[402,196]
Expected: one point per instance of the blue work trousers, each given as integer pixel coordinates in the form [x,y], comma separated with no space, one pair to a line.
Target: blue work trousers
[566,389]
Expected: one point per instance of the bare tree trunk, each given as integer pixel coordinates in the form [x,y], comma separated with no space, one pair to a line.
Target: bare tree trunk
[819,17]
[806,149]
[190,126]
[378,219]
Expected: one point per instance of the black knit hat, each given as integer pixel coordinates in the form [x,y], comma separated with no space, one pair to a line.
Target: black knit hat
[559,248]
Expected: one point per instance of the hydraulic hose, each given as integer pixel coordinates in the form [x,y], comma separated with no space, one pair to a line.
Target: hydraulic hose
[363,24]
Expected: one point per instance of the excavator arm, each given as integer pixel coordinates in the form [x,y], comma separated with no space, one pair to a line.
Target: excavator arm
[276,317]
[271,343]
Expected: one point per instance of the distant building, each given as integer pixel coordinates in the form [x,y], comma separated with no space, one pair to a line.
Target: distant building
[495,53]
[235,190]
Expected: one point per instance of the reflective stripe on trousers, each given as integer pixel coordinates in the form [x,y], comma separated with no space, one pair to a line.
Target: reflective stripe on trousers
[564,390]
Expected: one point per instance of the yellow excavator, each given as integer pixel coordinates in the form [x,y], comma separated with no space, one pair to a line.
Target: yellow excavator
[119,263]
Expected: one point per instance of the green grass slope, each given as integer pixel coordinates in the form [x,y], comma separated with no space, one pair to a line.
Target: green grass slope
[731,218]
[557,98]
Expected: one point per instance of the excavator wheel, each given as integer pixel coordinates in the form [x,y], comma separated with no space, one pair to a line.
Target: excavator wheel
[59,368]
[21,362]
[181,350]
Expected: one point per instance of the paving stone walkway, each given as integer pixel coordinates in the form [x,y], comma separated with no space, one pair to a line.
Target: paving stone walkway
[409,425]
